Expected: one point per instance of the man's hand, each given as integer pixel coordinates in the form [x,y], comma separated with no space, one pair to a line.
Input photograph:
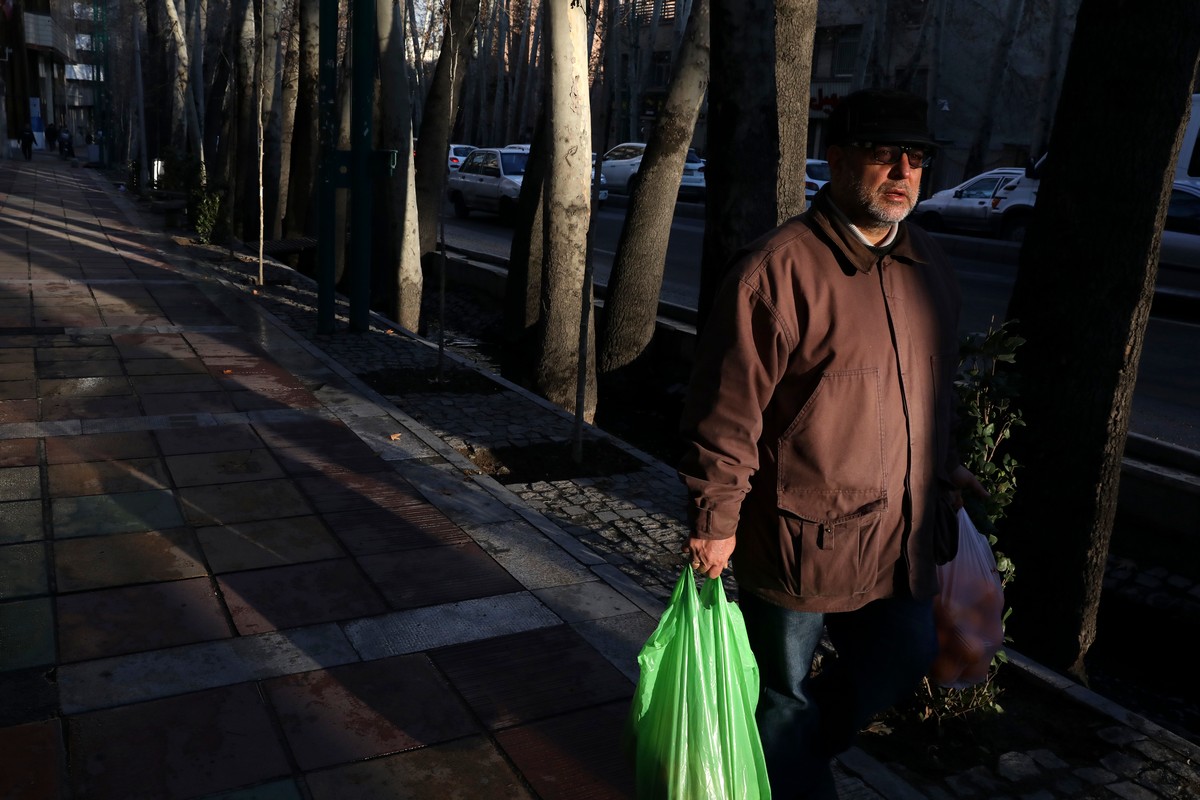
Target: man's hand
[965,480]
[710,556]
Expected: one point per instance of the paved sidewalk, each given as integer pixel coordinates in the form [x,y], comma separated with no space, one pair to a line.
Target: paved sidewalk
[229,568]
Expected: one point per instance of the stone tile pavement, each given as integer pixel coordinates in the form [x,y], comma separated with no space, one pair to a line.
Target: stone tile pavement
[229,568]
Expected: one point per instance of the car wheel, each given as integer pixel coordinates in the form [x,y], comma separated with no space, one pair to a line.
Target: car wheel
[1014,230]
[508,209]
[460,207]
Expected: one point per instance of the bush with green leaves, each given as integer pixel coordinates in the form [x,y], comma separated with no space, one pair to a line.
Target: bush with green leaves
[987,417]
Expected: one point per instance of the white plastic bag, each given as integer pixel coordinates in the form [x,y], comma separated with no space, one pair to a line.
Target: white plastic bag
[968,611]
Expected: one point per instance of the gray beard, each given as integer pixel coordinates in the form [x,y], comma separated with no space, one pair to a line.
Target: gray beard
[873,208]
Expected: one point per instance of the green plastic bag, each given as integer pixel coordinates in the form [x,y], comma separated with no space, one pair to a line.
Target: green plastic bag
[691,728]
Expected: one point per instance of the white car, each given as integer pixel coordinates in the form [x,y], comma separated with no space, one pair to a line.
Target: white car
[488,180]
[621,164]
[457,154]
[816,175]
[968,206]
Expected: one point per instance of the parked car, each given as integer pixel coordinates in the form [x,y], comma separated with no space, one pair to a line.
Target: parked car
[1181,233]
[488,180]
[621,164]
[968,206]
[816,175]
[458,153]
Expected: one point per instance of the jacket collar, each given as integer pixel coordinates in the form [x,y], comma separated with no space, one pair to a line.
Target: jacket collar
[831,225]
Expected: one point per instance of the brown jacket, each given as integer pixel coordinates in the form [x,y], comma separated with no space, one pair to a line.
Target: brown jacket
[820,411]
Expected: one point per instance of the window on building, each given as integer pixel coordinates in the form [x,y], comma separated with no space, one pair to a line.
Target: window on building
[660,68]
[83,10]
[845,52]
[645,11]
[81,72]
[83,41]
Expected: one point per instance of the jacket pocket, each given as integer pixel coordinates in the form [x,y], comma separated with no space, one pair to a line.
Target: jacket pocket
[831,456]
[832,559]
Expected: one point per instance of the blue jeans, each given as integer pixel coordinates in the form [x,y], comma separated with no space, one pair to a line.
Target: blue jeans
[883,651]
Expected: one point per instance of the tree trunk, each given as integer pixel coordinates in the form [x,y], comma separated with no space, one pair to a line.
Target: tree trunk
[182,89]
[981,144]
[272,102]
[404,257]
[245,205]
[795,31]
[418,70]
[565,293]
[305,136]
[496,122]
[289,92]
[532,74]
[523,287]
[1082,298]
[520,66]
[437,120]
[749,194]
[634,284]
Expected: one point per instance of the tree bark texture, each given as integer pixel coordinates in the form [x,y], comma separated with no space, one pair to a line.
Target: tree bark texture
[567,212]
[1082,299]
[402,258]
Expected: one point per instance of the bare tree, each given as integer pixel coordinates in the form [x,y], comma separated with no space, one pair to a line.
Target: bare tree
[288,96]
[1082,301]
[631,305]
[271,88]
[182,93]
[437,119]
[1001,57]
[304,130]
[749,116]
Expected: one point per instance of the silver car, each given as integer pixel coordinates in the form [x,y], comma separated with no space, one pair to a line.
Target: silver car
[621,164]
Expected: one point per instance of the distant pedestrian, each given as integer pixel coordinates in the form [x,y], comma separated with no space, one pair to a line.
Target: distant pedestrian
[51,137]
[66,148]
[27,142]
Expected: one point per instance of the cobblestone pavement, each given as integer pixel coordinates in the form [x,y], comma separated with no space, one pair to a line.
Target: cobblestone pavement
[633,522]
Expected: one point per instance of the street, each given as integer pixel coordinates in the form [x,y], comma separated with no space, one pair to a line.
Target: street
[1165,401]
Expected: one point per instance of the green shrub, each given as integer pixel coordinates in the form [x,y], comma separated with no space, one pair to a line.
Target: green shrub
[204,210]
[987,417]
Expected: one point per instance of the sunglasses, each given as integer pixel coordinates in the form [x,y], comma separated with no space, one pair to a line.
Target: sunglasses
[918,157]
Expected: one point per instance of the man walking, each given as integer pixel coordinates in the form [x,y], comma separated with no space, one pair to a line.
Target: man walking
[27,142]
[819,424]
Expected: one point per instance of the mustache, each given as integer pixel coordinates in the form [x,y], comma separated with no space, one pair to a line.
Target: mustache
[897,186]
